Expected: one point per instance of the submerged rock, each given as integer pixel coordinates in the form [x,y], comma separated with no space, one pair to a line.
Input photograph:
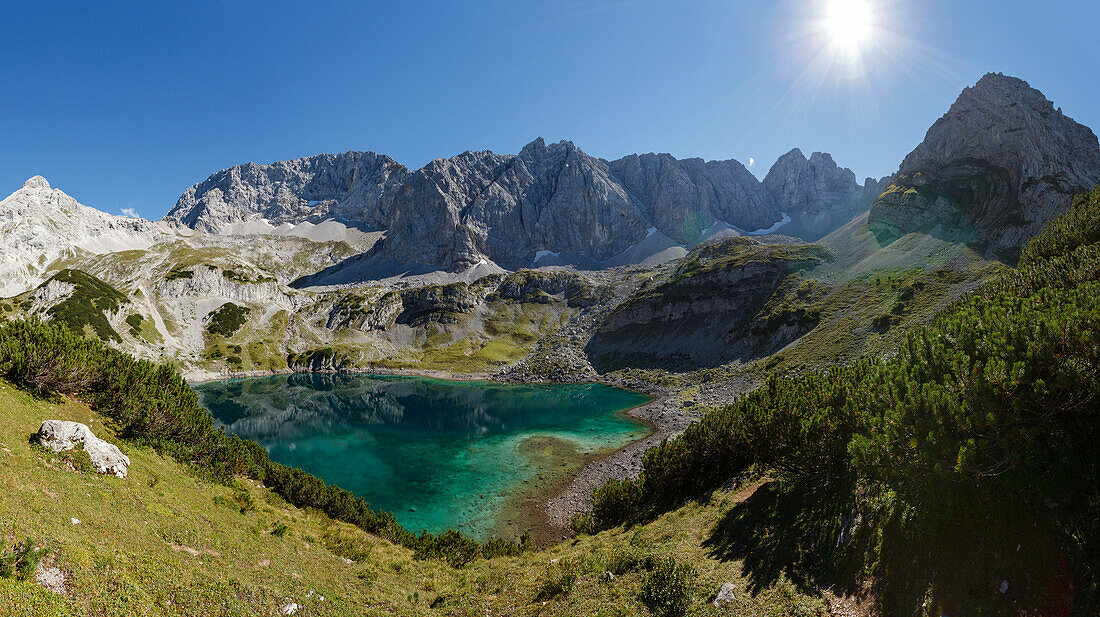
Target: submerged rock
[60,436]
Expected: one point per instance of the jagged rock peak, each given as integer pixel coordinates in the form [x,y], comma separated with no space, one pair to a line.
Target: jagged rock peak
[354,185]
[818,194]
[539,144]
[997,166]
[36,182]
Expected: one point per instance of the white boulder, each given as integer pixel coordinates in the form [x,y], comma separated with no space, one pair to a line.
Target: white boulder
[59,436]
[725,594]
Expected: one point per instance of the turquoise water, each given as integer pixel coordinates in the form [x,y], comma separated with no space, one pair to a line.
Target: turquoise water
[438,454]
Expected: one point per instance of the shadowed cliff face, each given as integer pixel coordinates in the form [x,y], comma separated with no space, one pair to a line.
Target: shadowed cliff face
[997,167]
[709,311]
[818,195]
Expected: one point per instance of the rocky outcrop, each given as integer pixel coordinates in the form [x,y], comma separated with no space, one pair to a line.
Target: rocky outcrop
[993,170]
[702,314]
[546,287]
[60,436]
[355,186]
[411,307]
[818,195]
[438,303]
[365,314]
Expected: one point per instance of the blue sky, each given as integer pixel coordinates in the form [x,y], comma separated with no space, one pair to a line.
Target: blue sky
[125,105]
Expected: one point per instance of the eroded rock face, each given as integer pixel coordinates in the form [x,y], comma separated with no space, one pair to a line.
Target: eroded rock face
[996,167]
[479,205]
[60,436]
[356,186]
[703,314]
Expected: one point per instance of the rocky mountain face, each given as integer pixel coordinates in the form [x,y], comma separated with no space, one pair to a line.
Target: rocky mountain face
[40,225]
[684,196]
[710,310]
[355,186]
[477,207]
[817,194]
[993,170]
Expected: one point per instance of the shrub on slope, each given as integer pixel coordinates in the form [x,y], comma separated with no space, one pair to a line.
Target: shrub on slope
[1078,226]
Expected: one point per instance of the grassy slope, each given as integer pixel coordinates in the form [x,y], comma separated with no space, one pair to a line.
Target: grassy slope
[132,551]
[908,281]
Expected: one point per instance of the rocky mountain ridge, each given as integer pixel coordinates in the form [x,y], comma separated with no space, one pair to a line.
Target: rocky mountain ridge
[513,210]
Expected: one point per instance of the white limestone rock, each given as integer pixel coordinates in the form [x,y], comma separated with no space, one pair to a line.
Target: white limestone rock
[727,593]
[60,436]
[40,224]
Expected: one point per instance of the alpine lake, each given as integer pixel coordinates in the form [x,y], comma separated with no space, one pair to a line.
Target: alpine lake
[480,457]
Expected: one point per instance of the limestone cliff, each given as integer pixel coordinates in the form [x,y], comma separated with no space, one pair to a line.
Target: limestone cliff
[993,170]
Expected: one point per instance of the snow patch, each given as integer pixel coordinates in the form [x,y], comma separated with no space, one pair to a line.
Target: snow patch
[544,253]
[770,230]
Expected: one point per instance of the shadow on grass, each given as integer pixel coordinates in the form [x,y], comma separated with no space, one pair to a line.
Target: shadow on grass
[788,530]
[956,554]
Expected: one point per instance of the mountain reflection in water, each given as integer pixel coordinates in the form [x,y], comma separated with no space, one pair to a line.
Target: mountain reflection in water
[437,453]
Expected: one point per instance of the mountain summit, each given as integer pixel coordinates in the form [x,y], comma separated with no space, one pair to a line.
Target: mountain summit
[996,167]
[40,224]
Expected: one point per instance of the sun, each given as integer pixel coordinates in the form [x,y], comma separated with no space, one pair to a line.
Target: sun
[848,24]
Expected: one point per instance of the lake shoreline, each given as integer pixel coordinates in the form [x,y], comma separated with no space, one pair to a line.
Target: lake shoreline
[548,513]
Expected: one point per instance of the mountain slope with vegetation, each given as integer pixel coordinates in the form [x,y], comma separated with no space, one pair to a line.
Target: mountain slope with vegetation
[959,469]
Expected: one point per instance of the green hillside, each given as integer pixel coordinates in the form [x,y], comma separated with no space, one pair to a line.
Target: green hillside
[962,466]
[165,541]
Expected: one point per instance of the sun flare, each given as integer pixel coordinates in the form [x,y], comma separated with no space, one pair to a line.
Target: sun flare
[848,24]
